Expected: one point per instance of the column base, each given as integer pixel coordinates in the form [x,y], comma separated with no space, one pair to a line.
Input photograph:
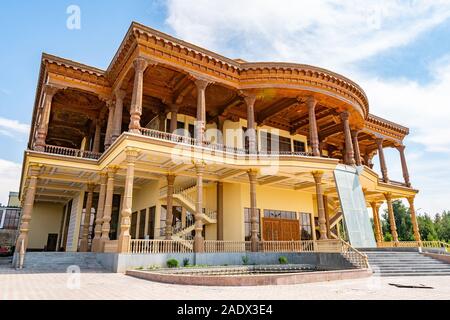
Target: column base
[95,247]
[124,244]
[84,246]
[199,245]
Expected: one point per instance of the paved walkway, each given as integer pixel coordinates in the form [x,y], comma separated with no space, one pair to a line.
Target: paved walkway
[102,285]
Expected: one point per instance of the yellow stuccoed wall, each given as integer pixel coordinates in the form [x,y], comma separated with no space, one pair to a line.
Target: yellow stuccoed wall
[46,219]
[237,197]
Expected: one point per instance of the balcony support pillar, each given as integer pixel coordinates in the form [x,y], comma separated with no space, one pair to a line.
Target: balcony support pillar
[84,243]
[415,225]
[394,234]
[140,64]
[376,221]
[49,92]
[125,214]
[251,127]
[320,205]
[383,166]
[313,134]
[118,113]
[96,144]
[349,151]
[30,193]
[401,150]
[200,123]
[173,118]
[109,125]
[107,211]
[169,211]
[357,151]
[252,174]
[99,214]
[199,242]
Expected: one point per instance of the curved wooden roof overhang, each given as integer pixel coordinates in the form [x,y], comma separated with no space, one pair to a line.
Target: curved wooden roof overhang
[340,92]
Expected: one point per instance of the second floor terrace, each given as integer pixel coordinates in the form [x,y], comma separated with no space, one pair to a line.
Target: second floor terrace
[162,89]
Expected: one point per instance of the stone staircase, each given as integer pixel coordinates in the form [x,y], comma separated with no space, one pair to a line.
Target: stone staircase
[405,263]
[60,261]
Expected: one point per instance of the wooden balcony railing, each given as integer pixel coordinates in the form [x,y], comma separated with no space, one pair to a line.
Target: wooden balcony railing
[213,147]
[69,152]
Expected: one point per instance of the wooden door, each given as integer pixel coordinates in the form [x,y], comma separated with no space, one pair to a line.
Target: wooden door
[280,229]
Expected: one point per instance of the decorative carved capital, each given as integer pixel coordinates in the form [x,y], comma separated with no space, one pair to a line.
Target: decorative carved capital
[51,90]
[199,168]
[34,170]
[91,186]
[201,84]
[379,142]
[250,100]
[311,102]
[131,155]
[111,170]
[317,176]
[103,177]
[140,64]
[400,148]
[252,174]
[355,133]
[120,94]
[388,196]
[170,179]
[345,115]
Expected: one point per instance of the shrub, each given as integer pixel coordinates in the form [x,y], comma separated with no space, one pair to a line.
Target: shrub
[172,263]
[283,260]
[139,268]
[185,262]
[153,267]
[244,260]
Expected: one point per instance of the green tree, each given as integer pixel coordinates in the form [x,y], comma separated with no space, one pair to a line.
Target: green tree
[442,226]
[427,228]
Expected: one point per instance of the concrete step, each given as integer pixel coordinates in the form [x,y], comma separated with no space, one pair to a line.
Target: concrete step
[393,263]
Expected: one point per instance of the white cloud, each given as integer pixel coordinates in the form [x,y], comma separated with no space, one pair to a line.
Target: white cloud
[10,127]
[10,175]
[329,33]
[338,34]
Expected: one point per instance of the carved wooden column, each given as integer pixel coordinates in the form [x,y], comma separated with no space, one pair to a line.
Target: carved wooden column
[383,166]
[99,213]
[107,211]
[356,147]
[313,134]
[200,124]
[320,205]
[84,243]
[173,118]
[401,150]
[42,130]
[96,144]
[415,225]
[219,210]
[125,221]
[169,211]
[199,242]
[388,197]
[140,64]
[34,171]
[376,221]
[349,151]
[327,216]
[109,125]
[251,128]
[118,114]
[253,210]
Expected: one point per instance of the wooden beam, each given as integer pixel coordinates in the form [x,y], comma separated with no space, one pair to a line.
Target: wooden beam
[331,131]
[299,124]
[276,109]
[303,186]
[273,180]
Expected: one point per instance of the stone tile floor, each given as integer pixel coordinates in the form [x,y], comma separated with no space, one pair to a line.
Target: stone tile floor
[27,284]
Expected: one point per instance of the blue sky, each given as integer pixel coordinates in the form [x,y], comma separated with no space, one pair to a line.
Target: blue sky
[397,50]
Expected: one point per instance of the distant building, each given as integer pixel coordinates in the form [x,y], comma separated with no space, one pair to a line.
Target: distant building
[9,220]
